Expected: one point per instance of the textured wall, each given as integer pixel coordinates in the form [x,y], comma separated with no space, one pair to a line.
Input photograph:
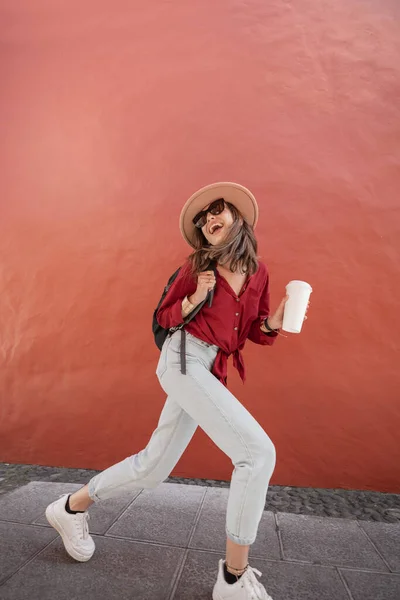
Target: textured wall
[112,114]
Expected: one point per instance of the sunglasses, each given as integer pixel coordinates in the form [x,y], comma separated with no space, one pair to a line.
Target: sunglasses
[215,208]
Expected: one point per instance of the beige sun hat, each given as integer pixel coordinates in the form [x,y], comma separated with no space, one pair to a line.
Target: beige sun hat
[233,193]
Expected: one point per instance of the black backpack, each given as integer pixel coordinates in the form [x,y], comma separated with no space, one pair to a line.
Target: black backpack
[161,334]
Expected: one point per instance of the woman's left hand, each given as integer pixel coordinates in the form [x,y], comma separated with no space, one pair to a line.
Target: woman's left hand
[276,320]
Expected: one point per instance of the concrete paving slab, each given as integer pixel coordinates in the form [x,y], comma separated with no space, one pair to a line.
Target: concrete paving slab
[328,541]
[284,581]
[28,503]
[119,570]
[210,529]
[387,539]
[102,514]
[18,543]
[165,514]
[372,586]
[198,576]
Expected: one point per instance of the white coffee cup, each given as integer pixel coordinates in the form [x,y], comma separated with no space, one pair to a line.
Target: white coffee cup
[296,306]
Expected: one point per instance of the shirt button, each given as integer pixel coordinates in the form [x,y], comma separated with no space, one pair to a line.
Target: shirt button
[237,300]
[235,328]
[236,314]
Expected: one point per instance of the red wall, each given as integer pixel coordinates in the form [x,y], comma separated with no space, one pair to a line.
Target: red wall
[112,114]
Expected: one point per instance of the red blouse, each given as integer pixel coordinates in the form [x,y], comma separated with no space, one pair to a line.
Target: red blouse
[230,320]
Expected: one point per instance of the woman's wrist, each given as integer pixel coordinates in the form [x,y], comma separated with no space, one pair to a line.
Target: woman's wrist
[189,303]
[193,300]
[268,327]
[187,307]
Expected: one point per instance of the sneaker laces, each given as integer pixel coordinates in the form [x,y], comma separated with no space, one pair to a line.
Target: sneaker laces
[253,587]
[81,523]
[85,525]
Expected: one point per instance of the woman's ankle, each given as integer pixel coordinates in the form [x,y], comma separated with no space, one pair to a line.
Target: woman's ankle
[237,557]
[80,500]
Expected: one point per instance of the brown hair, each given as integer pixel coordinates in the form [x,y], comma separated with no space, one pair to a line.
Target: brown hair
[238,250]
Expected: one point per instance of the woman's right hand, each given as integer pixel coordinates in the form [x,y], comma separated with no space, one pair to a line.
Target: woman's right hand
[205,282]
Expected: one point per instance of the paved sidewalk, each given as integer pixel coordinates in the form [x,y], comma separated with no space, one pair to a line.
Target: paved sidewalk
[165,544]
[363,505]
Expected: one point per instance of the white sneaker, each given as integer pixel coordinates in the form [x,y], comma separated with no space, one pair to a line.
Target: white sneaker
[73,529]
[246,588]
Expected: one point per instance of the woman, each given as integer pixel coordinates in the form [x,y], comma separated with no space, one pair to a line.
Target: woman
[218,222]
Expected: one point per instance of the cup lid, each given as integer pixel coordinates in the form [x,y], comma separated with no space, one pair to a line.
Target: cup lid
[298,283]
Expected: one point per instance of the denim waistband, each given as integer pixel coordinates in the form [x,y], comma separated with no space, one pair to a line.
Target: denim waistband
[202,342]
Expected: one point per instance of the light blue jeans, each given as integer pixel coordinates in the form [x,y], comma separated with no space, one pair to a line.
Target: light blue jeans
[198,398]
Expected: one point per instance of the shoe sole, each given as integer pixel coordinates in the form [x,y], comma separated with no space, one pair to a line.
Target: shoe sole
[52,519]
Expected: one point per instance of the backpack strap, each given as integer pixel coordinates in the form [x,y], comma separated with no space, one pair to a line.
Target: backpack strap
[210,295]
[209,299]
[198,308]
[183,351]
